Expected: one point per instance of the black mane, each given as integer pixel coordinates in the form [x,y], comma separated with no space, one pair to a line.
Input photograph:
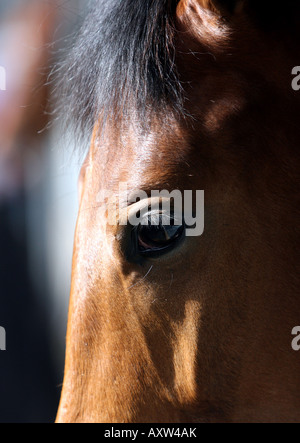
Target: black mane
[122,62]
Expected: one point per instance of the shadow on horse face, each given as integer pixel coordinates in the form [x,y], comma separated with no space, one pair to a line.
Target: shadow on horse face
[200,332]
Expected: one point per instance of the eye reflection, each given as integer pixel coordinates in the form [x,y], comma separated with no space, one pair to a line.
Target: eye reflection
[154,236]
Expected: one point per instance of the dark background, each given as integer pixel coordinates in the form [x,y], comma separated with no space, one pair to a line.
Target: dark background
[38,202]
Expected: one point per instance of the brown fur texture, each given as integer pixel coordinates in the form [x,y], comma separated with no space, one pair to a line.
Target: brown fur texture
[202,334]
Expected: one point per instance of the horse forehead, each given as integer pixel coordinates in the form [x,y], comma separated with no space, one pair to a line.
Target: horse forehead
[153,157]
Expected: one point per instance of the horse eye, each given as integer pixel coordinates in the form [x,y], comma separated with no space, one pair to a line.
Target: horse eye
[156,239]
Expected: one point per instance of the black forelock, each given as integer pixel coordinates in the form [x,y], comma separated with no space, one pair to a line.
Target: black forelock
[122,62]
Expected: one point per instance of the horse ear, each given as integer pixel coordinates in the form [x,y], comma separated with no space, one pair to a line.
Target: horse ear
[219,7]
[208,20]
[266,14]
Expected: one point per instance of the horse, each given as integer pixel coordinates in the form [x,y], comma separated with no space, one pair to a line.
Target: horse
[165,327]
